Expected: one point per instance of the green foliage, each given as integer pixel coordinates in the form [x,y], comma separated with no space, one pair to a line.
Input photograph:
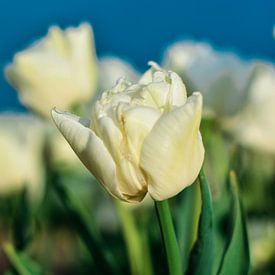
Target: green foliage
[201,258]
[21,263]
[21,221]
[187,216]
[236,256]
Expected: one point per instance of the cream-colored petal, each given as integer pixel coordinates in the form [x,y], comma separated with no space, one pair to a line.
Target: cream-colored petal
[147,77]
[158,93]
[138,122]
[178,90]
[172,154]
[111,136]
[130,180]
[90,149]
[55,42]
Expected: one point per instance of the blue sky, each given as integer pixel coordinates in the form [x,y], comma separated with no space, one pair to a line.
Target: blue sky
[139,30]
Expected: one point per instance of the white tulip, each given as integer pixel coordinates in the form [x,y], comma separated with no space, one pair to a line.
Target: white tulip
[111,69]
[141,138]
[222,77]
[21,148]
[58,70]
[254,126]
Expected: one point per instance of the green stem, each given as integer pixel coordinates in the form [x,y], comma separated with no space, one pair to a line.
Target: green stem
[169,237]
[133,239]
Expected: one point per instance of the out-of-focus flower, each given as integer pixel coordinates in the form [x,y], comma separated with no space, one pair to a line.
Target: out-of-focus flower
[222,77]
[111,69]
[241,94]
[21,151]
[261,239]
[142,138]
[58,70]
[254,126]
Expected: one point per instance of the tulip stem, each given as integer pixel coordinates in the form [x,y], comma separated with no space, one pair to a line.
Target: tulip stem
[169,237]
[139,262]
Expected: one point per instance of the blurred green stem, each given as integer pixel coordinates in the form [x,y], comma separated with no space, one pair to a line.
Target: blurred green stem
[139,256]
[21,221]
[169,237]
[82,222]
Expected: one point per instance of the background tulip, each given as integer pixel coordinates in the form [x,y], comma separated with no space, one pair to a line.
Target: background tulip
[222,77]
[254,125]
[112,68]
[58,70]
[21,147]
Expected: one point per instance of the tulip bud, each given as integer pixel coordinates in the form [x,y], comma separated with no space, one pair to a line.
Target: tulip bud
[142,137]
[58,70]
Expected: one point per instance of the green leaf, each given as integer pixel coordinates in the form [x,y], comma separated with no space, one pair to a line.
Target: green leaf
[236,257]
[201,258]
[22,264]
[21,221]
[187,219]
[222,210]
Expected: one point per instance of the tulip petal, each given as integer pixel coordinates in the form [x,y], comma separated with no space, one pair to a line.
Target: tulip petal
[156,93]
[131,182]
[172,154]
[147,77]
[89,148]
[178,90]
[138,122]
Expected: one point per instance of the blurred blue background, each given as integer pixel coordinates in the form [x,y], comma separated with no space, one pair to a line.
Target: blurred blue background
[139,30]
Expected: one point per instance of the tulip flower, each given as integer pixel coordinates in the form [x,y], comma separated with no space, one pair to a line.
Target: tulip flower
[112,68]
[254,125]
[58,70]
[21,148]
[141,138]
[222,77]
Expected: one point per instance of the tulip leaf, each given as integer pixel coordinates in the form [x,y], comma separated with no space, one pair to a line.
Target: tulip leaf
[236,256]
[21,221]
[187,220]
[201,258]
[21,263]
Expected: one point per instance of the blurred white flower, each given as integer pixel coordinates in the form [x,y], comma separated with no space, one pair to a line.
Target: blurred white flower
[254,125]
[261,239]
[111,69]
[21,155]
[142,138]
[58,70]
[222,77]
[239,93]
